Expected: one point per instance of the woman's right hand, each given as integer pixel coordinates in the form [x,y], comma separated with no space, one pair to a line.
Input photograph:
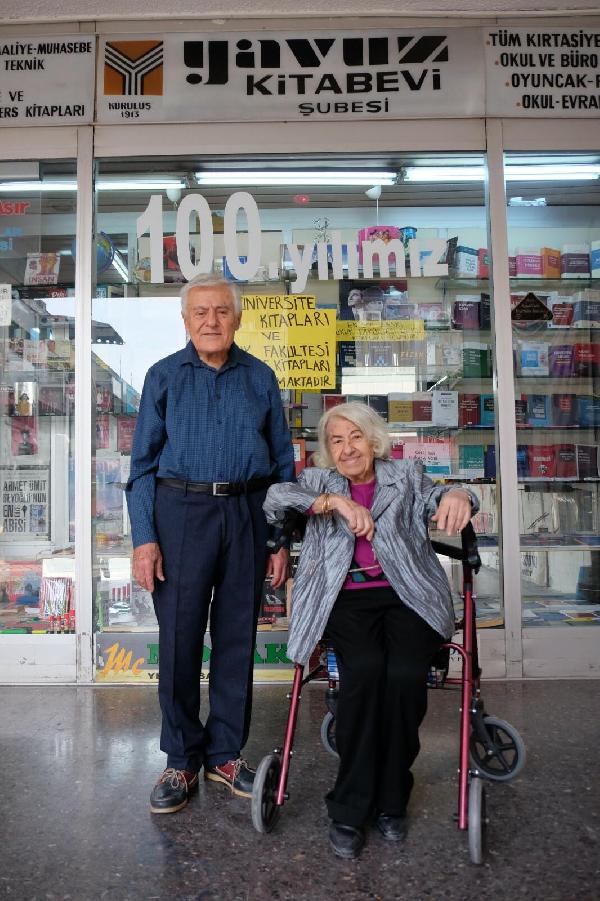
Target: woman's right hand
[359,519]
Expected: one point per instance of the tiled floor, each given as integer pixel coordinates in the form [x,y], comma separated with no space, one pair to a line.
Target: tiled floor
[79,763]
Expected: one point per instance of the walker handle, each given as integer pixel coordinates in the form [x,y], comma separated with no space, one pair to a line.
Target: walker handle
[468,552]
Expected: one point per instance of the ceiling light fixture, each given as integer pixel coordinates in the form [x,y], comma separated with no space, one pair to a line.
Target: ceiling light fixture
[288,178]
[132,184]
[453,174]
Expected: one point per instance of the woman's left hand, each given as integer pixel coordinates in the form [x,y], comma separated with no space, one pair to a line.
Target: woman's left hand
[453,512]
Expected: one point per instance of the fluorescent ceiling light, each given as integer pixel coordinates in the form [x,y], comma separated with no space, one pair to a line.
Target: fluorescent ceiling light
[133,184]
[556,172]
[289,178]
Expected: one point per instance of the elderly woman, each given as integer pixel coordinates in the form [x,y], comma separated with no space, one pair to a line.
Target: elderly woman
[369,579]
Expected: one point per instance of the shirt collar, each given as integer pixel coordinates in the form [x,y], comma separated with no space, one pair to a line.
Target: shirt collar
[236,355]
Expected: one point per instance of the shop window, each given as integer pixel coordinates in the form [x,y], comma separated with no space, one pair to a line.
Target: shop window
[391,249]
[554,248]
[37,272]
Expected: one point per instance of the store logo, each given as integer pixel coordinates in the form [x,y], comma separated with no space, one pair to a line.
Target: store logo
[133,68]
[273,61]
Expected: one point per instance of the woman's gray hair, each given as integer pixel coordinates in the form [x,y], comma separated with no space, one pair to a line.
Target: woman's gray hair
[212,280]
[364,418]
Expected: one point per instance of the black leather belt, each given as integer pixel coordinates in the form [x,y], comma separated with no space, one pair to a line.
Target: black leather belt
[217,489]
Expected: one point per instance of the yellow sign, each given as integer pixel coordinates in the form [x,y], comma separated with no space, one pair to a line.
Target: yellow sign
[294,338]
[388,330]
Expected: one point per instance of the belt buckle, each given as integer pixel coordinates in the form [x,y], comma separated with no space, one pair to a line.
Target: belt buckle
[216,489]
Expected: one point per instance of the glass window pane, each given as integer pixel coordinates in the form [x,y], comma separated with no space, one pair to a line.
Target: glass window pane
[37,332]
[396,254]
[554,241]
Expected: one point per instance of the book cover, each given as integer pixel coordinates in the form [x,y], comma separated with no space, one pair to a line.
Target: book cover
[41,269]
[487,416]
[532,359]
[586,314]
[400,408]
[379,403]
[468,410]
[422,408]
[477,361]
[333,400]
[550,262]
[125,430]
[347,354]
[471,461]
[465,312]
[575,261]
[588,410]
[538,410]
[434,315]
[541,461]
[521,410]
[560,360]
[564,410]
[485,313]
[587,461]
[51,400]
[522,461]
[562,313]
[489,461]
[566,461]
[483,263]
[529,263]
[444,408]
[299,445]
[585,359]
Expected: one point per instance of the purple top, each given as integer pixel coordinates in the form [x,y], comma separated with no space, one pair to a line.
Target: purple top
[364,555]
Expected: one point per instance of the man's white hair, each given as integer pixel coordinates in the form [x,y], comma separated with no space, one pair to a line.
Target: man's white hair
[364,418]
[211,280]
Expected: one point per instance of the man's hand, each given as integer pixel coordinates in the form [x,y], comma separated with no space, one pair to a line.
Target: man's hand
[147,565]
[453,512]
[278,566]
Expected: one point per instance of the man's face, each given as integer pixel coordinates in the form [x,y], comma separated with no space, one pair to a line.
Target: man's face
[211,321]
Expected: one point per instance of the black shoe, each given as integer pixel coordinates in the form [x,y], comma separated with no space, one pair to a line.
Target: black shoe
[393,828]
[346,841]
[235,773]
[172,791]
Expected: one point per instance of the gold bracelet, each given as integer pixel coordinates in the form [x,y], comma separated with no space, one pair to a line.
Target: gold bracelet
[325,504]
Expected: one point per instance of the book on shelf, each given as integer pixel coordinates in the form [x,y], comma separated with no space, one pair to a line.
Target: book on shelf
[564,410]
[521,416]
[560,360]
[587,461]
[379,403]
[588,411]
[347,354]
[532,358]
[444,408]
[487,415]
[400,407]
[489,461]
[477,360]
[550,262]
[471,461]
[465,311]
[538,410]
[299,446]
[562,311]
[468,410]
[522,461]
[542,464]
[422,408]
[575,261]
[586,359]
[485,312]
[566,461]
[586,312]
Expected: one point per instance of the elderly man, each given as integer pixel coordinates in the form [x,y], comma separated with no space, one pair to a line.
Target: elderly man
[211,437]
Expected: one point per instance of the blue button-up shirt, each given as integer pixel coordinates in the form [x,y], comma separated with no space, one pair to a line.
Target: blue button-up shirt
[203,424]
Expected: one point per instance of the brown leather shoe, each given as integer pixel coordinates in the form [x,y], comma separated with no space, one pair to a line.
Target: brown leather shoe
[172,791]
[235,773]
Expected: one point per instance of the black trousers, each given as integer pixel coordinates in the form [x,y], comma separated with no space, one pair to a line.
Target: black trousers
[384,650]
[214,554]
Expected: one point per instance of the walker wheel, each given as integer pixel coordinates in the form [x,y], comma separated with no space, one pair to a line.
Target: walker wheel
[328,733]
[502,755]
[477,820]
[265,810]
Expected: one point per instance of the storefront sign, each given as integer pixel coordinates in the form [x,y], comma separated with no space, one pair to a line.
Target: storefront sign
[47,80]
[268,76]
[25,502]
[543,72]
[293,337]
[134,657]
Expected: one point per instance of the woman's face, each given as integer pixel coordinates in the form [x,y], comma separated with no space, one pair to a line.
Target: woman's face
[352,454]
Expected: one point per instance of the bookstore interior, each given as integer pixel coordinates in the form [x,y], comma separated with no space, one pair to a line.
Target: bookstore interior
[364,275]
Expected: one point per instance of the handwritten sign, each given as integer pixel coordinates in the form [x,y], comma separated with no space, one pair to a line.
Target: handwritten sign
[389,330]
[292,336]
